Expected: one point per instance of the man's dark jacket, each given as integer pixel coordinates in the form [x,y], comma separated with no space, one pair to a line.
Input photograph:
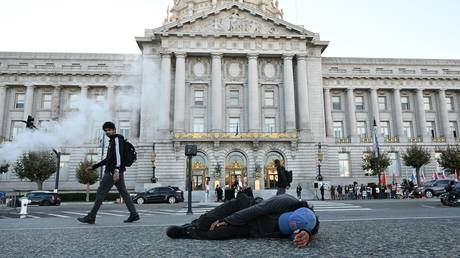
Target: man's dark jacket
[262,218]
[282,178]
[114,158]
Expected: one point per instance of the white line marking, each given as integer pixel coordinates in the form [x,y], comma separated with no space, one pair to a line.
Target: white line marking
[400,218]
[111,214]
[337,207]
[427,206]
[359,209]
[32,216]
[54,215]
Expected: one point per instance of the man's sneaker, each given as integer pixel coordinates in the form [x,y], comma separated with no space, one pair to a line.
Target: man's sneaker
[87,219]
[132,218]
[179,231]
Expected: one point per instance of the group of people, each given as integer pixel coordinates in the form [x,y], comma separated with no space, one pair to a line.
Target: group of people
[357,192]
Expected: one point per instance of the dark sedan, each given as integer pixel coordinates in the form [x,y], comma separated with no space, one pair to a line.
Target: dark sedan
[170,194]
[44,198]
[433,188]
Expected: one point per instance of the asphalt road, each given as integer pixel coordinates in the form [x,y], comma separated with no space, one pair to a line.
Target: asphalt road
[376,228]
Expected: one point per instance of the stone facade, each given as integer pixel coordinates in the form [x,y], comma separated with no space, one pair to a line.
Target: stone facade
[246,87]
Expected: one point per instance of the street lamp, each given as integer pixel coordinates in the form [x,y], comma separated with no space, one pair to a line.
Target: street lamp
[153,159]
[217,171]
[320,159]
[190,152]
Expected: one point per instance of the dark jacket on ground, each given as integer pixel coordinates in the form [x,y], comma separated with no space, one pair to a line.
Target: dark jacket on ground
[282,178]
[114,157]
[262,218]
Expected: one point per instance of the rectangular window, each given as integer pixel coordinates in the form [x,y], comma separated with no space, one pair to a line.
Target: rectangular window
[234,97]
[407,129]
[269,124]
[359,103]
[198,96]
[344,164]
[19,101]
[198,124]
[336,103]
[269,98]
[125,129]
[361,129]
[427,105]
[405,103]
[17,127]
[450,103]
[73,100]
[383,103]
[385,128]
[64,167]
[338,129]
[431,128]
[394,168]
[453,128]
[233,124]
[46,101]
[99,98]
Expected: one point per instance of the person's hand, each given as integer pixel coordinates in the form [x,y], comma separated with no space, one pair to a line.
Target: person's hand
[302,239]
[116,176]
[217,224]
[88,168]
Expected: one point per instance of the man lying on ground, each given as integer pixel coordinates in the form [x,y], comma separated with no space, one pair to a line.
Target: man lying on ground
[281,216]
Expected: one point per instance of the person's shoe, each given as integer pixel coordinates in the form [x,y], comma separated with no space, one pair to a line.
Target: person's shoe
[87,219]
[132,218]
[179,231]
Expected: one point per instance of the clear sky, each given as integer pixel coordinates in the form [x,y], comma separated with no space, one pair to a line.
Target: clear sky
[355,28]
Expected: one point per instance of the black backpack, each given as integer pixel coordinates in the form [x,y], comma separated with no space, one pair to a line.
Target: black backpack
[129,154]
[289,176]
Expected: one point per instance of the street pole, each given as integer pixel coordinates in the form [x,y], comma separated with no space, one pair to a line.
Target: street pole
[58,168]
[102,156]
[189,183]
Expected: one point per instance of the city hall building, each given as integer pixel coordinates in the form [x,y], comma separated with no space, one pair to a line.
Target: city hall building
[246,87]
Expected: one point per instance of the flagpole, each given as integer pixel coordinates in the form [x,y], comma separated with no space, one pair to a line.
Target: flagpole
[377,158]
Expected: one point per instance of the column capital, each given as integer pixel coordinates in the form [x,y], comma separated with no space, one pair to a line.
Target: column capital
[288,57]
[110,86]
[217,54]
[180,54]
[350,89]
[301,57]
[3,85]
[253,56]
[165,54]
[420,89]
[84,86]
[29,85]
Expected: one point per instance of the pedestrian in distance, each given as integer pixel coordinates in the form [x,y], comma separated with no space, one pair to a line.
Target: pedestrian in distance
[299,192]
[332,190]
[115,168]
[281,216]
[321,189]
[340,192]
[282,182]
[219,193]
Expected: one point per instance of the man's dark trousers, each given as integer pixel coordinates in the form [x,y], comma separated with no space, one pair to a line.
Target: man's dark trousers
[105,186]
[203,223]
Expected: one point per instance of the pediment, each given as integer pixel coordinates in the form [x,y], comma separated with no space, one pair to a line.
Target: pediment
[234,20]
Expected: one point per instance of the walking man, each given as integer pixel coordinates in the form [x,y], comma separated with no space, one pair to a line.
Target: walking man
[113,175]
[321,189]
[282,178]
[299,192]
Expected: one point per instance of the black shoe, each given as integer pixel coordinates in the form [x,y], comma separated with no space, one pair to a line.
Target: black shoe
[87,219]
[132,218]
[177,232]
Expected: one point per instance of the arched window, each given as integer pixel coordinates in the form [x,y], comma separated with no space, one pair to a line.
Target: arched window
[235,170]
[271,175]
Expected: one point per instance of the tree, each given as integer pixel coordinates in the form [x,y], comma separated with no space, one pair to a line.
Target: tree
[450,160]
[416,156]
[36,166]
[4,168]
[369,163]
[86,178]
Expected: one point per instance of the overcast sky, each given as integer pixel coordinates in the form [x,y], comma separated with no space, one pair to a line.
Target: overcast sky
[355,28]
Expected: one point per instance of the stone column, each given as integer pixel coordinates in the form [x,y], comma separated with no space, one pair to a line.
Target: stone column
[302,91]
[421,119]
[327,111]
[179,94]
[2,108]
[55,110]
[444,113]
[84,91]
[375,110]
[164,116]
[397,112]
[253,94]
[135,116]
[289,95]
[216,93]
[351,115]
[111,101]
[29,100]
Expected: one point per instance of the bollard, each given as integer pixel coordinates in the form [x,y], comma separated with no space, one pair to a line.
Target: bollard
[24,203]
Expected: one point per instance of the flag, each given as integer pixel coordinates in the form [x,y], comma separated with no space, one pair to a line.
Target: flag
[384,179]
[237,129]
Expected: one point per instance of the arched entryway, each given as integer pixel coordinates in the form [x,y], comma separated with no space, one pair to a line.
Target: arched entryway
[270,173]
[236,169]
[200,170]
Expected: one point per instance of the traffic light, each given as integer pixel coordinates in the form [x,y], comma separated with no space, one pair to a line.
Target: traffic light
[30,122]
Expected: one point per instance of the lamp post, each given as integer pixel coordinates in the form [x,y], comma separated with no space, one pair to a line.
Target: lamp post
[320,159]
[153,159]
[190,151]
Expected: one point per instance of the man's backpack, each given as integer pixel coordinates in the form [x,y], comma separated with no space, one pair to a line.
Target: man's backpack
[129,154]
[289,176]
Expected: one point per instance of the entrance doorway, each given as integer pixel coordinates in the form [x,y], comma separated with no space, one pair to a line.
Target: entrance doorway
[235,170]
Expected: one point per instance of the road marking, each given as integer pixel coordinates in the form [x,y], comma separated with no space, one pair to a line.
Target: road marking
[32,216]
[78,213]
[427,206]
[52,214]
[111,214]
[357,209]
[396,218]
[335,207]
[127,212]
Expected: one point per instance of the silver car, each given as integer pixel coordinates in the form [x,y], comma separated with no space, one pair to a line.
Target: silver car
[433,188]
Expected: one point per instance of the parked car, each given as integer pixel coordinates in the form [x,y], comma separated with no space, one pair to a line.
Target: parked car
[44,198]
[169,194]
[433,188]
